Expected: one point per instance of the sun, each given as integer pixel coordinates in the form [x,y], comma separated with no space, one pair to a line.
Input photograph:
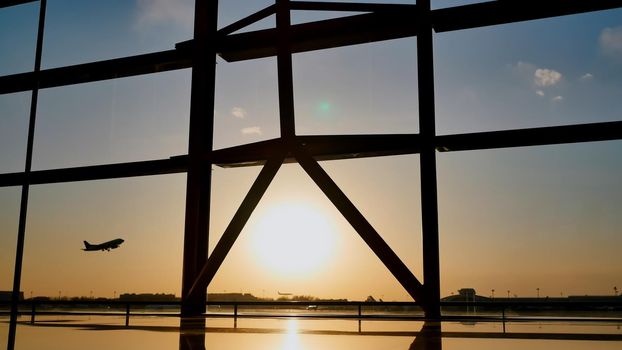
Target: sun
[293,239]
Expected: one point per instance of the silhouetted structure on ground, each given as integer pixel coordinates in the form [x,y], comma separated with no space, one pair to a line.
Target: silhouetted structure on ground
[147,297]
[6,295]
[467,297]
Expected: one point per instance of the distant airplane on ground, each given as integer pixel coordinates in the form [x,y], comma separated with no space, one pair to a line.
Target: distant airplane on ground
[115,243]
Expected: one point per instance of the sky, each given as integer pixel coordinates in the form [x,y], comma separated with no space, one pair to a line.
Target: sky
[510,219]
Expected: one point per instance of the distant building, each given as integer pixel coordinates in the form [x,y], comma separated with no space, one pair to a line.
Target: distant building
[6,295]
[469,295]
[595,298]
[231,297]
[466,294]
[147,297]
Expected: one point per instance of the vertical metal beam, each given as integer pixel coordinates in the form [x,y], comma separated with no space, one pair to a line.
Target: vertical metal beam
[429,337]
[192,340]
[198,186]
[427,130]
[236,225]
[192,333]
[21,230]
[284,69]
[367,232]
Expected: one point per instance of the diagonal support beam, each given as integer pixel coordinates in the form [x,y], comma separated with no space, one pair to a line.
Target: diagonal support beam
[247,21]
[236,225]
[404,276]
[9,3]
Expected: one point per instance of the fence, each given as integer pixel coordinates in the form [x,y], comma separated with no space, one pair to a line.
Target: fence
[481,311]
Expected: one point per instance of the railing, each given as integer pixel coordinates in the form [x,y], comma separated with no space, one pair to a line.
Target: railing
[482,311]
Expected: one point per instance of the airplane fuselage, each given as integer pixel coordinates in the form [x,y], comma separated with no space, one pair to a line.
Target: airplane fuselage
[115,243]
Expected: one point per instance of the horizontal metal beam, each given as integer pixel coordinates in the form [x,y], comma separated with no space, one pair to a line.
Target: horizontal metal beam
[9,3]
[530,137]
[394,21]
[502,12]
[335,147]
[332,148]
[97,172]
[389,21]
[95,71]
[318,35]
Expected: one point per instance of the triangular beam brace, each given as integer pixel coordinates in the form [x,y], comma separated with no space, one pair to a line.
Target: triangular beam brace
[371,237]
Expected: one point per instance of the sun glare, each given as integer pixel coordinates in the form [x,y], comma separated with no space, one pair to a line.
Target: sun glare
[293,238]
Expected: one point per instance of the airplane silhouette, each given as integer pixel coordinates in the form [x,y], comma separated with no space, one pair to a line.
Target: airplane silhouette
[115,243]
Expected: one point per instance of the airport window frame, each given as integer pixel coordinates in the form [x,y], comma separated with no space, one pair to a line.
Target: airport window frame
[377,22]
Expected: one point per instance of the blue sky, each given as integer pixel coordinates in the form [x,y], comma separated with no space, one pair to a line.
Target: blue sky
[494,203]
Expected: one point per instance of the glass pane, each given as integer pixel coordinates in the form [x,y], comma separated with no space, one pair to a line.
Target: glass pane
[297,242]
[15,110]
[298,17]
[229,187]
[302,16]
[436,4]
[538,220]
[246,102]
[85,31]
[146,212]
[386,190]
[113,121]
[18,38]
[360,89]
[9,219]
[555,71]
[234,10]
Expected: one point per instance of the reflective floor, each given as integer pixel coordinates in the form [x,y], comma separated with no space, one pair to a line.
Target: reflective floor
[109,332]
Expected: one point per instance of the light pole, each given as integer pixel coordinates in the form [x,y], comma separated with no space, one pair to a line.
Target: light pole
[493,293]
[615,291]
[508,294]
[538,293]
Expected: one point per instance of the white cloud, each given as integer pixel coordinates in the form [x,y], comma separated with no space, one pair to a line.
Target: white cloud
[238,112]
[557,98]
[586,76]
[611,41]
[540,92]
[546,77]
[252,130]
[154,12]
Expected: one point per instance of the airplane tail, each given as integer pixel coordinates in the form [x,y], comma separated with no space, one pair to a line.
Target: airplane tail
[87,245]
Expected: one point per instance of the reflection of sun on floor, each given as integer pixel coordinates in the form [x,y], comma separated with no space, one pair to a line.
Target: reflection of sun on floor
[293,238]
[292,340]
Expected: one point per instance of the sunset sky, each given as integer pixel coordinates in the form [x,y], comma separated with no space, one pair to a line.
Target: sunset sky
[510,219]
